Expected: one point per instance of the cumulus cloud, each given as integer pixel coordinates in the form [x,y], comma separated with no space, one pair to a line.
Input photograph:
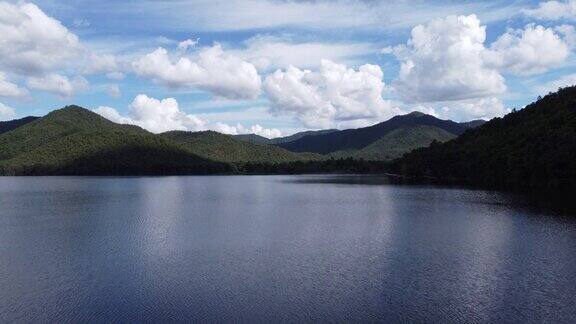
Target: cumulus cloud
[58,84]
[466,110]
[113,115]
[533,50]
[32,42]
[443,60]
[9,89]
[333,96]
[212,70]
[240,129]
[446,59]
[6,113]
[162,115]
[259,130]
[554,10]
[483,108]
[165,115]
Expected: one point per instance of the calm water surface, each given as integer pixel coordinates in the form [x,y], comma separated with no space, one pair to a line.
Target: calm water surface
[278,248]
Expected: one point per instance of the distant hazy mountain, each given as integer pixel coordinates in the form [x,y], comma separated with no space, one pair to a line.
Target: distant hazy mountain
[225,148]
[10,125]
[530,149]
[473,123]
[397,142]
[386,140]
[297,136]
[279,140]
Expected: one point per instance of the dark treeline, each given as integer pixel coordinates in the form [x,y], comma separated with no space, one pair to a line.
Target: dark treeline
[342,165]
[533,149]
[140,161]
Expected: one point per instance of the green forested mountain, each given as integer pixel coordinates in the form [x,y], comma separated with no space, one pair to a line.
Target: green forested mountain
[530,149]
[253,138]
[397,142]
[225,148]
[385,140]
[382,142]
[10,125]
[74,140]
[297,136]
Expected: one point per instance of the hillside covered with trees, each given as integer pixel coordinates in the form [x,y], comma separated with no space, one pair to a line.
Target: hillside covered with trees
[225,148]
[533,149]
[74,140]
[384,141]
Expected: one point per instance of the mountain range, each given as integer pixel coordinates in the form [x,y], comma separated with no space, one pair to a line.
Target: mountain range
[74,140]
[530,149]
[380,142]
[383,141]
[280,140]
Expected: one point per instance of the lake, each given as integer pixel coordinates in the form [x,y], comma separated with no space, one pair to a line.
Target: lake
[278,248]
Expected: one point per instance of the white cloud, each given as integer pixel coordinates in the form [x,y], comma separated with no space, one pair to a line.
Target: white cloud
[554,10]
[270,52]
[465,110]
[446,59]
[154,115]
[6,113]
[184,45]
[259,130]
[240,129]
[533,50]
[553,86]
[58,84]
[162,115]
[443,60]
[334,96]
[212,70]
[483,108]
[113,90]
[9,89]
[113,115]
[165,115]
[32,42]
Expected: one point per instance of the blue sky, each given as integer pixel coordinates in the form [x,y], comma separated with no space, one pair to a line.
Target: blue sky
[274,67]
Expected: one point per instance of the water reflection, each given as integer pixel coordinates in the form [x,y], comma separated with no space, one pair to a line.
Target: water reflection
[299,248]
